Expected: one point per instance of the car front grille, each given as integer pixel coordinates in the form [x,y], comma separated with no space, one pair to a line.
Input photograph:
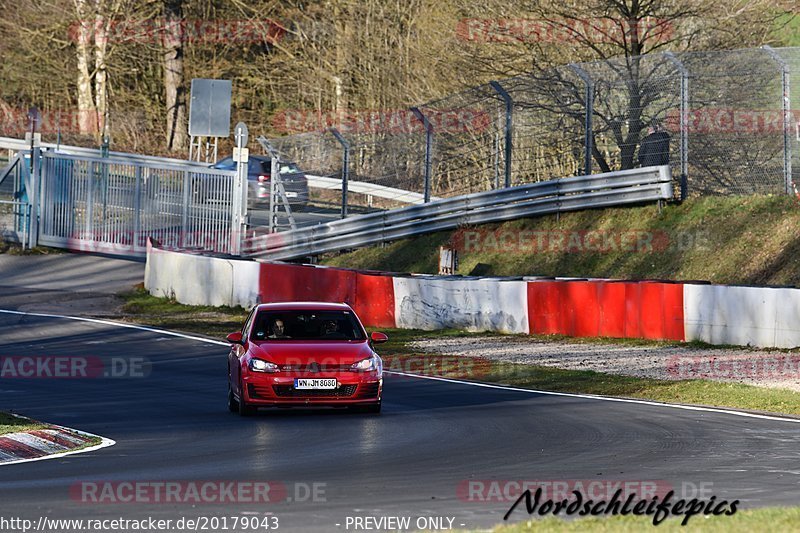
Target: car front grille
[288,391]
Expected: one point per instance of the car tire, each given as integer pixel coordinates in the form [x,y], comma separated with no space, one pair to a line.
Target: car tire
[233,405]
[244,409]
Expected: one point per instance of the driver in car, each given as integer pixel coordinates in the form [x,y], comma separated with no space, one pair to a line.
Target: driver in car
[278,330]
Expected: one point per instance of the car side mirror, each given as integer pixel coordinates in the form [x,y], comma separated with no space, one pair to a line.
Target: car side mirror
[378,337]
[235,338]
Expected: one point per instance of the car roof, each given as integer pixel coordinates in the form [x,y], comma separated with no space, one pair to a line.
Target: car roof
[304,306]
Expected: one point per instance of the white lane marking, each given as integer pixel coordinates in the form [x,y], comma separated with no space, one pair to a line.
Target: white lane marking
[601,398]
[448,380]
[118,324]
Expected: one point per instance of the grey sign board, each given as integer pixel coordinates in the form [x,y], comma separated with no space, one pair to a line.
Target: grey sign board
[210,108]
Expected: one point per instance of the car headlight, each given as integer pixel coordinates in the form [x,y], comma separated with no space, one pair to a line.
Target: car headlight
[259,365]
[366,365]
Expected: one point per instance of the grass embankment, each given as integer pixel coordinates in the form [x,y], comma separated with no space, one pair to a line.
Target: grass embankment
[167,313]
[733,240]
[219,321]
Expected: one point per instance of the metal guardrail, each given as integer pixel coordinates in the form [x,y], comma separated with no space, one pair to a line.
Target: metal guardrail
[369,189]
[566,194]
[8,143]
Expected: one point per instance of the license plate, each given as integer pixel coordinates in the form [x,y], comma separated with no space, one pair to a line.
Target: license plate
[291,194]
[315,383]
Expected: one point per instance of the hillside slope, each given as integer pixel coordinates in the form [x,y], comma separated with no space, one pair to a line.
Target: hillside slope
[733,240]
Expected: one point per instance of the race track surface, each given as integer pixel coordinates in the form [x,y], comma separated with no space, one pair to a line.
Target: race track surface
[432,438]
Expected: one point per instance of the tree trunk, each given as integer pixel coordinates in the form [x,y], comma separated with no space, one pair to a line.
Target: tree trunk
[87,113]
[175,92]
[100,76]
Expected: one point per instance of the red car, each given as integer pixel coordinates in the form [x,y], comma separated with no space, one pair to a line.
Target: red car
[304,354]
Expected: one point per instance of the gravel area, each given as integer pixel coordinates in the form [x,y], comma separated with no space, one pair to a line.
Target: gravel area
[753,367]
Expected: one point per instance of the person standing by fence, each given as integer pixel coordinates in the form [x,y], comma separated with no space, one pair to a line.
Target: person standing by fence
[654,148]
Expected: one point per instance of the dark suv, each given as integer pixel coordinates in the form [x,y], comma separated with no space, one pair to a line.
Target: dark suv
[259,169]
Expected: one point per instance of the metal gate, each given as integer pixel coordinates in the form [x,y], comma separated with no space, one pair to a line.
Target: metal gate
[112,205]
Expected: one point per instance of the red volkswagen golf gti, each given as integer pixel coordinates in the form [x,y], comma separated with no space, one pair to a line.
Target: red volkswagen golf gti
[304,354]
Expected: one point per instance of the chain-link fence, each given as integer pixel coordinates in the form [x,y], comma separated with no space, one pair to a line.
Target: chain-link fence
[725,121]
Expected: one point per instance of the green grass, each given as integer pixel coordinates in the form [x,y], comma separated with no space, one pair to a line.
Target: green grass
[771,519]
[12,424]
[11,248]
[398,355]
[735,240]
[166,313]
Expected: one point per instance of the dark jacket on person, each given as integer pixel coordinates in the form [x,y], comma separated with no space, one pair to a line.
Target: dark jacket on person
[654,149]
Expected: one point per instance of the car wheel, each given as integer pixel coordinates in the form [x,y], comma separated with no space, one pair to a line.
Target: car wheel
[244,409]
[233,405]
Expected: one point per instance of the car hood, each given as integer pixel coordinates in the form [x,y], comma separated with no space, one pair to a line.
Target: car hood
[304,353]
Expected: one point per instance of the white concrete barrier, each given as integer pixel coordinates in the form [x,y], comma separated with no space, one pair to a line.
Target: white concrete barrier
[198,280]
[746,316]
[473,305]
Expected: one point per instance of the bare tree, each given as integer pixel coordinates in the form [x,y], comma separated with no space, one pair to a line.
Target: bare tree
[174,87]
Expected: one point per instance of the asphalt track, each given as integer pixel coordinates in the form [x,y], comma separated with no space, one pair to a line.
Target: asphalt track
[433,435]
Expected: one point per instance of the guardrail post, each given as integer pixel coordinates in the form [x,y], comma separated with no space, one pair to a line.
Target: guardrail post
[588,141]
[787,118]
[428,150]
[345,167]
[509,125]
[684,122]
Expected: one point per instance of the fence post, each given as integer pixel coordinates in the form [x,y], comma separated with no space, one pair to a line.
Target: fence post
[787,118]
[273,177]
[509,125]
[184,209]
[137,208]
[34,194]
[684,122]
[428,150]
[345,167]
[589,109]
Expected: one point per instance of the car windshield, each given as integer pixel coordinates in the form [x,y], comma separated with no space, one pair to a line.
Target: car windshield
[289,168]
[312,325]
[254,165]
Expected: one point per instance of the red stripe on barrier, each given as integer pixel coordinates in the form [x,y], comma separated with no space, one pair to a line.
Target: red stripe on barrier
[673,312]
[584,313]
[651,311]
[633,324]
[288,283]
[371,296]
[374,297]
[611,300]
